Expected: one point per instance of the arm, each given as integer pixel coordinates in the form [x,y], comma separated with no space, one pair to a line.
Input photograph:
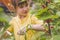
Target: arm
[37,24]
[36,27]
[7,33]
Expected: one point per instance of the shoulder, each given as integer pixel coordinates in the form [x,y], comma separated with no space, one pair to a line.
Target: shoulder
[33,17]
[12,20]
[35,20]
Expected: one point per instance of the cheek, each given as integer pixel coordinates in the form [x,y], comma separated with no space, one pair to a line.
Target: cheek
[27,9]
[19,11]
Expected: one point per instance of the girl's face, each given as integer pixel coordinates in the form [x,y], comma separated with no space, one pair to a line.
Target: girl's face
[23,9]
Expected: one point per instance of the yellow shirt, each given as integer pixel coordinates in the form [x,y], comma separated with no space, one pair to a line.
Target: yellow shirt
[16,24]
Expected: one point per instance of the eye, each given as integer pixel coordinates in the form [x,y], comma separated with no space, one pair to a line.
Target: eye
[21,6]
[25,4]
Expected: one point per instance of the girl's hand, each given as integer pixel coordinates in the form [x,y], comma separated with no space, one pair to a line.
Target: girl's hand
[22,31]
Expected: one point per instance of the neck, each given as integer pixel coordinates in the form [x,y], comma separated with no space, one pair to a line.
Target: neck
[21,16]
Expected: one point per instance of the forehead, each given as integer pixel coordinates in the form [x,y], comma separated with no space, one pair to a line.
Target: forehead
[22,3]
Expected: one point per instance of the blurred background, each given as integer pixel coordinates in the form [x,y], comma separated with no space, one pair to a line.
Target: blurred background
[47,10]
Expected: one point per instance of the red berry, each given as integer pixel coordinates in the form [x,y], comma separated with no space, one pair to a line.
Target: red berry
[51,27]
[43,6]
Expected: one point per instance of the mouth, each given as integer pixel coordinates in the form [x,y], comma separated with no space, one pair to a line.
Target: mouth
[25,12]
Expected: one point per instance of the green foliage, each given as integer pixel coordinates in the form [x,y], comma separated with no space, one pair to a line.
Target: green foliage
[42,11]
[51,11]
[3,20]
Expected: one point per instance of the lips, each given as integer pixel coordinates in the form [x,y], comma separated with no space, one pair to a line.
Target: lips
[25,12]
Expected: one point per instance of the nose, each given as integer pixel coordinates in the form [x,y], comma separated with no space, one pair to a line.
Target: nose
[25,8]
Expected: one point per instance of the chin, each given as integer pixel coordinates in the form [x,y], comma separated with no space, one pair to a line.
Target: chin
[23,14]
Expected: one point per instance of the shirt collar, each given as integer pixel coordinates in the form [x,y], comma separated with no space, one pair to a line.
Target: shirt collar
[24,20]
